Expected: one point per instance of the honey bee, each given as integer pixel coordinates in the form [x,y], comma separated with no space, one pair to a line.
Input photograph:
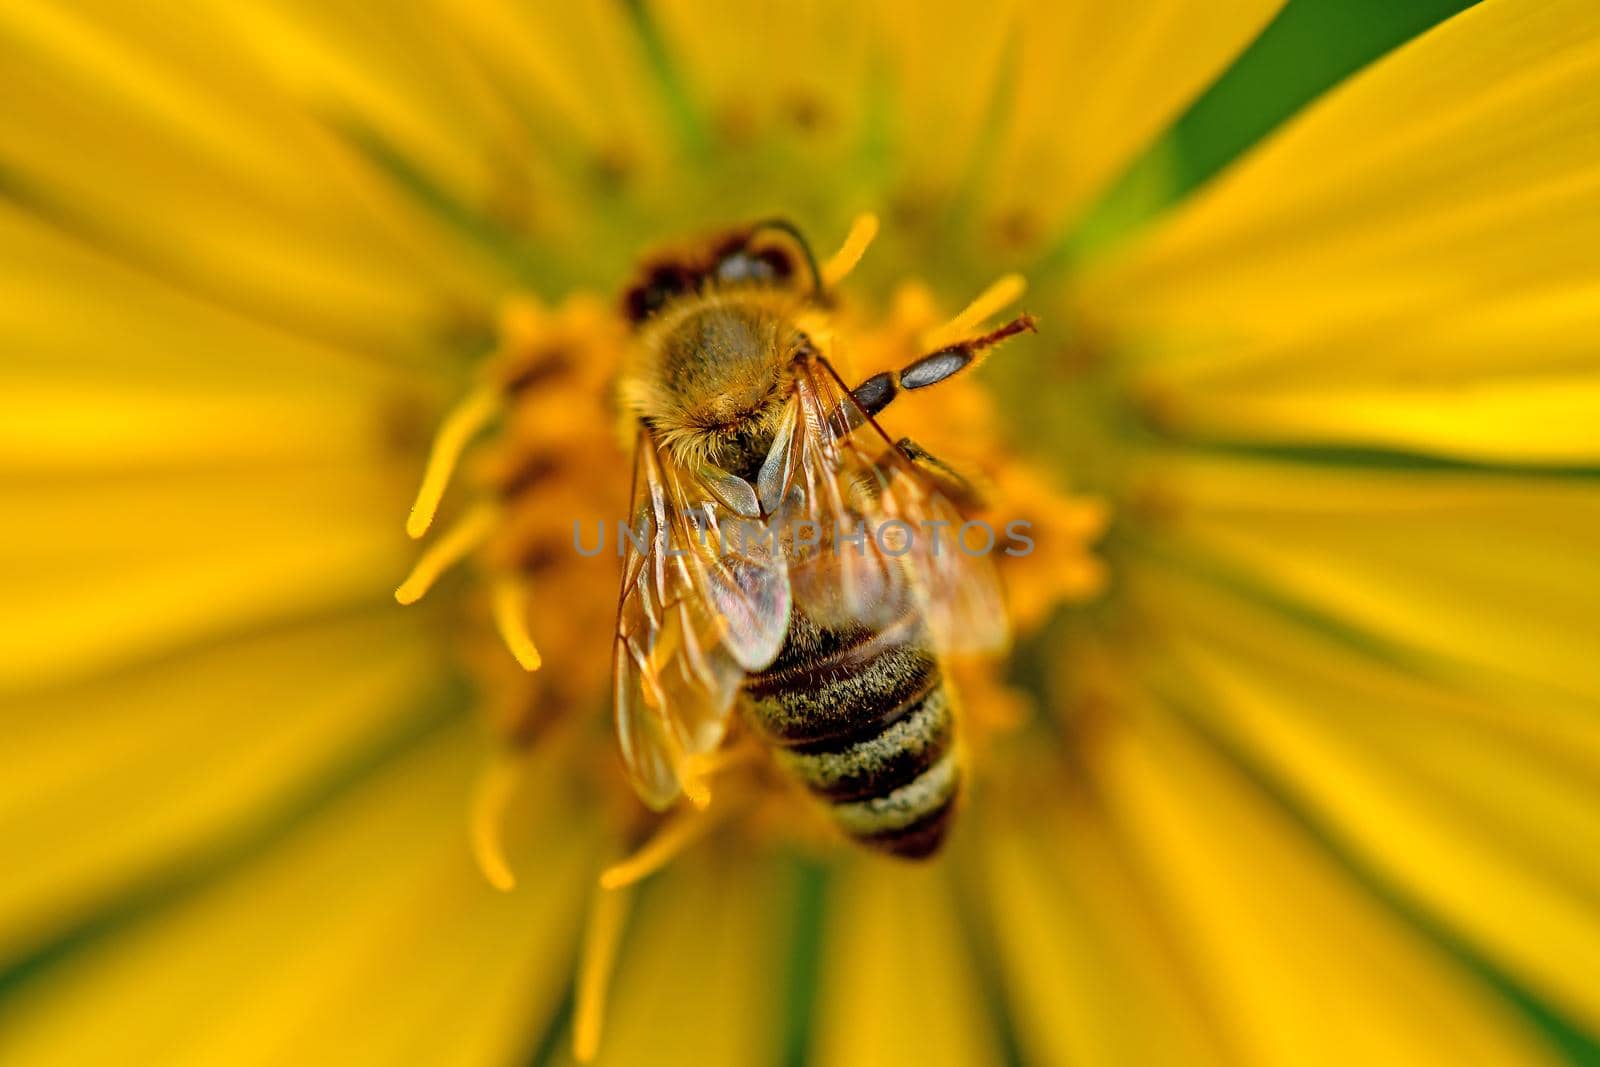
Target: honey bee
[789,562]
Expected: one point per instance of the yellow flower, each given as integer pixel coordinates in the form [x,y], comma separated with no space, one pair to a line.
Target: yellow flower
[1297,760]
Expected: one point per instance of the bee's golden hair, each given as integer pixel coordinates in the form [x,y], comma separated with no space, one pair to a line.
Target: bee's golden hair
[711,371]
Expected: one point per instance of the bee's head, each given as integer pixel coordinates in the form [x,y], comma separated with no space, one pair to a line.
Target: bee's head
[771,254]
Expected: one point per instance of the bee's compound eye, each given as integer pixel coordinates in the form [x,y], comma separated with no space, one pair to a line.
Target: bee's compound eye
[661,285]
[778,261]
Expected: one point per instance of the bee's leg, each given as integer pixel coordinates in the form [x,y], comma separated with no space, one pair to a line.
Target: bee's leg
[878,391]
[962,490]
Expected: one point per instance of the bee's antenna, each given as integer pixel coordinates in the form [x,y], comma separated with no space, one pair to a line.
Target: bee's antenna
[783,225]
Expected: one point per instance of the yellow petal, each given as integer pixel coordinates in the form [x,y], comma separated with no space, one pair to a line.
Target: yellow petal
[1098,82]
[700,977]
[367,937]
[1092,970]
[1030,95]
[898,983]
[103,572]
[1491,830]
[572,64]
[174,469]
[158,140]
[393,72]
[818,92]
[1494,574]
[156,379]
[1530,418]
[1407,264]
[1302,964]
[107,786]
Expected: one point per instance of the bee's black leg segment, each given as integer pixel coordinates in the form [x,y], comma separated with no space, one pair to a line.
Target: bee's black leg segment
[957,486]
[875,393]
[878,391]
[951,360]
[935,367]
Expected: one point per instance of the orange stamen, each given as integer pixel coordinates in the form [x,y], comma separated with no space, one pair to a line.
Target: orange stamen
[842,262]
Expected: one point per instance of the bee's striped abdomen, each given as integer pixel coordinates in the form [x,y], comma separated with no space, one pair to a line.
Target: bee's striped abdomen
[862,717]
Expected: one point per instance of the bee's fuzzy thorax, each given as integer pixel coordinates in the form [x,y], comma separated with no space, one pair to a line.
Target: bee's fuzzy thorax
[710,373]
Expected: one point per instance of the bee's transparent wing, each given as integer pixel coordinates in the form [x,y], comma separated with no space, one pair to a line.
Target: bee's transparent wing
[840,462]
[822,513]
[701,605]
